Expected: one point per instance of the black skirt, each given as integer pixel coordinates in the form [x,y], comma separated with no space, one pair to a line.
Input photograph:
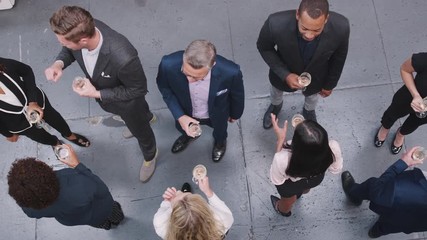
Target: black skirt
[290,188]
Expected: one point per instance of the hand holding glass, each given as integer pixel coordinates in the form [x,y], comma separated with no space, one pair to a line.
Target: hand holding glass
[61,152]
[419,154]
[423,113]
[195,129]
[297,119]
[199,172]
[304,80]
[79,82]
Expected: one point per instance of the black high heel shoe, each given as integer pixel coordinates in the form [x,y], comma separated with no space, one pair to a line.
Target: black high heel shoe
[395,150]
[377,141]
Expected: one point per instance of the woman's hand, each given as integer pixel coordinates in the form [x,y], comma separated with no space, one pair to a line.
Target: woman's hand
[33,106]
[417,104]
[169,194]
[204,186]
[280,132]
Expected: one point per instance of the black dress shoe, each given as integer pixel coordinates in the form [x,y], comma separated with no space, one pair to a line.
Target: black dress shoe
[275,109]
[186,187]
[395,150]
[347,183]
[377,141]
[274,201]
[309,115]
[218,151]
[181,143]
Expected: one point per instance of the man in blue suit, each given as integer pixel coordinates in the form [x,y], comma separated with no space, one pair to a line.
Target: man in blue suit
[398,196]
[201,87]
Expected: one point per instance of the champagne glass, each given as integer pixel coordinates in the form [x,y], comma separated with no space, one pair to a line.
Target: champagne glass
[199,172]
[34,118]
[297,119]
[419,154]
[304,80]
[195,129]
[61,151]
[423,113]
[79,82]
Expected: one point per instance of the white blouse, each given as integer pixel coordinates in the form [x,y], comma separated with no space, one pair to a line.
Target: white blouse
[281,160]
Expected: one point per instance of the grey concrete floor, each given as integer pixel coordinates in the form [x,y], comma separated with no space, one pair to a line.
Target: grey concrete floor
[383,34]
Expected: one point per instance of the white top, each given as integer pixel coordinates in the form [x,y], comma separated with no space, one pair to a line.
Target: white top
[8,96]
[91,57]
[281,160]
[221,213]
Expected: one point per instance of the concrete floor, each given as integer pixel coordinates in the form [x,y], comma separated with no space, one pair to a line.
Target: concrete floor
[383,34]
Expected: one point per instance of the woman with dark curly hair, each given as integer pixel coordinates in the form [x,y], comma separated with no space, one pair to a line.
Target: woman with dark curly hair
[301,165]
[18,95]
[73,196]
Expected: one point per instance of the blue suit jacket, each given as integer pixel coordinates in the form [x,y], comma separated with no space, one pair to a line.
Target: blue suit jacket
[400,198]
[226,92]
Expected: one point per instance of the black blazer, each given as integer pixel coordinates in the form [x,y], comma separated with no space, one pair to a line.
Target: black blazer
[19,79]
[118,73]
[278,45]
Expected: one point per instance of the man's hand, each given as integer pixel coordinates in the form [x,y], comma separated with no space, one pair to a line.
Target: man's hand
[185,121]
[72,160]
[33,106]
[54,72]
[88,90]
[407,158]
[14,138]
[292,81]
[231,120]
[325,93]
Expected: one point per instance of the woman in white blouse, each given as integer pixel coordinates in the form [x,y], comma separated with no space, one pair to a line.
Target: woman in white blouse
[301,165]
[183,215]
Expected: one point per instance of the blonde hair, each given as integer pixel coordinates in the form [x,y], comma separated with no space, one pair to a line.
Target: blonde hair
[192,219]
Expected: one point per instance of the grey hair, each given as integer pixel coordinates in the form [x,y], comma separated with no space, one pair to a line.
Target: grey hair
[199,54]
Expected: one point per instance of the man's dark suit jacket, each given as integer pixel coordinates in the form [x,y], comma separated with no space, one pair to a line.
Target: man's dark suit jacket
[226,92]
[400,198]
[278,45]
[22,84]
[83,199]
[118,73]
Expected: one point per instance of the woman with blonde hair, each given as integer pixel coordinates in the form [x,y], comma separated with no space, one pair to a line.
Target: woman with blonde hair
[183,215]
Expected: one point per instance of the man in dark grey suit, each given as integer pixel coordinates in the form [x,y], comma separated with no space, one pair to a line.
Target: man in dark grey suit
[114,74]
[310,39]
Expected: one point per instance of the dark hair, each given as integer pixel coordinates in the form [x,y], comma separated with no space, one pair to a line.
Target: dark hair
[314,8]
[2,68]
[73,22]
[32,183]
[311,154]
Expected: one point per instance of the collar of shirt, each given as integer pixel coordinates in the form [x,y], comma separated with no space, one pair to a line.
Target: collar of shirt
[96,50]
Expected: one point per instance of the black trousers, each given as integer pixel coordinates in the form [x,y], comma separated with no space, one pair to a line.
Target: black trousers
[55,120]
[400,107]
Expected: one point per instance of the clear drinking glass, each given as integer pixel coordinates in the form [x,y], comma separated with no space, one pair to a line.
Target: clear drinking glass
[61,151]
[199,172]
[34,118]
[419,154]
[297,119]
[304,80]
[79,82]
[195,129]
[422,114]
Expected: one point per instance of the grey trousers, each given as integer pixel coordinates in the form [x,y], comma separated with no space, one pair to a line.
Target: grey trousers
[310,102]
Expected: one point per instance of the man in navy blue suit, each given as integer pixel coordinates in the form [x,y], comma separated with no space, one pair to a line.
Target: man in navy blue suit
[199,86]
[399,197]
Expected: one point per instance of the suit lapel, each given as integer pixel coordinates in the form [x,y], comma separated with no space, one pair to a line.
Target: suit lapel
[17,91]
[214,85]
[103,58]
[80,61]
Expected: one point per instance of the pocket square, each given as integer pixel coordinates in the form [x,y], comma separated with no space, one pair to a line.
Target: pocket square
[221,92]
[105,75]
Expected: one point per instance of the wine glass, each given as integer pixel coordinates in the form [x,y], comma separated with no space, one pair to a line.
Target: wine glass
[61,151]
[195,129]
[297,119]
[304,80]
[423,113]
[199,172]
[419,154]
[79,82]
